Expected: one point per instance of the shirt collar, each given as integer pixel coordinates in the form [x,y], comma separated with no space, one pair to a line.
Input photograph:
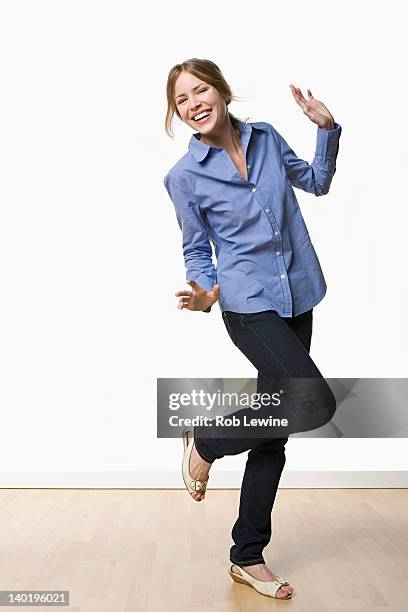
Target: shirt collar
[199,149]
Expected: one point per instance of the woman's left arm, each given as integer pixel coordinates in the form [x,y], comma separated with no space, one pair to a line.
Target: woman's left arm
[314,178]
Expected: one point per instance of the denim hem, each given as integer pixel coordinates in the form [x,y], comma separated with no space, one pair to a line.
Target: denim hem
[247,563]
[199,451]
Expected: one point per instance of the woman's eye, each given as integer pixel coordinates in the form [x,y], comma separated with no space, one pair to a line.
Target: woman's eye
[198,91]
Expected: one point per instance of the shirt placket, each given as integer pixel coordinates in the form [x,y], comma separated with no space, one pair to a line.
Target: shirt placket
[236,177]
[278,246]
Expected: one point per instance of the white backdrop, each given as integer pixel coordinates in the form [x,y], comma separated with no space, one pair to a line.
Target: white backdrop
[90,249]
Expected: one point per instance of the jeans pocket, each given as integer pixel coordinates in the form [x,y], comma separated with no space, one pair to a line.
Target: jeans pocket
[253,317]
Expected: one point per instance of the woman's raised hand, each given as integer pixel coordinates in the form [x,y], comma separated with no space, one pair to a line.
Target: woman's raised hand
[314,109]
[198,298]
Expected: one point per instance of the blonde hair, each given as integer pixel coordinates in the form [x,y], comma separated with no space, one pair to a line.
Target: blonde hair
[203,69]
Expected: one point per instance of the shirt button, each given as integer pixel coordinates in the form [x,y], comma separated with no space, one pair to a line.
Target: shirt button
[276,233]
[253,189]
[278,252]
[267,210]
[282,275]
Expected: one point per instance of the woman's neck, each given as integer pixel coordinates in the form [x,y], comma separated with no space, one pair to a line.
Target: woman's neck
[228,137]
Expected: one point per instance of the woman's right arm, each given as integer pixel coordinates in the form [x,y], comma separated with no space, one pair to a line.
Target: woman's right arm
[197,249]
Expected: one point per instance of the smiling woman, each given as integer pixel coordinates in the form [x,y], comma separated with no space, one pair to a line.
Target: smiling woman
[233,190]
[201,83]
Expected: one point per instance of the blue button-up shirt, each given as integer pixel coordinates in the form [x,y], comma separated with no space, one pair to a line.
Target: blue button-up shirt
[265,257]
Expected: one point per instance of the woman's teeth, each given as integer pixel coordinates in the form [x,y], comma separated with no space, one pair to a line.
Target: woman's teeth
[204,118]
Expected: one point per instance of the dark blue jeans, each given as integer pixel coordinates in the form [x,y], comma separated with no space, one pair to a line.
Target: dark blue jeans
[278,347]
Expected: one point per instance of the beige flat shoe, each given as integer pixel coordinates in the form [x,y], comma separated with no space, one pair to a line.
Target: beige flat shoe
[269,588]
[193,486]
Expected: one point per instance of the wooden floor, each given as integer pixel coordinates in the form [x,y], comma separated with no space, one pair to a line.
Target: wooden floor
[157,550]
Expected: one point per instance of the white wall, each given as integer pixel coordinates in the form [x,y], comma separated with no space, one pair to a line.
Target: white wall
[90,250]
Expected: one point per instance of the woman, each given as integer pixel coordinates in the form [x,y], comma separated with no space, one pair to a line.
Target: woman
[234,188]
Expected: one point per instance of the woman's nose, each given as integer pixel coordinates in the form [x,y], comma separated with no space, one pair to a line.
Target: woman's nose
[194,103]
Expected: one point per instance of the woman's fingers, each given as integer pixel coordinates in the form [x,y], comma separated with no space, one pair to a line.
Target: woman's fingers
[183,292]
[297,94]
[314,109]
[302,101]
[194,298]
[294,91]
[183,302]
[301,96]
[185,295]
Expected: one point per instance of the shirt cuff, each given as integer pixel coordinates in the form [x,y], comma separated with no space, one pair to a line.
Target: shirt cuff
[328,141]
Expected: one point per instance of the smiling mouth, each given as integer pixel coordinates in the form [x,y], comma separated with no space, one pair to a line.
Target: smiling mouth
[204,119]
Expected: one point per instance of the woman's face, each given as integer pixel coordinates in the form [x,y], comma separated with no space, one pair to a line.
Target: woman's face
[194,96]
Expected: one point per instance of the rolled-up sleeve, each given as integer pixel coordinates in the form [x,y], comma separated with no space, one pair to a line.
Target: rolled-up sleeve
[314,178]
[197,250]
